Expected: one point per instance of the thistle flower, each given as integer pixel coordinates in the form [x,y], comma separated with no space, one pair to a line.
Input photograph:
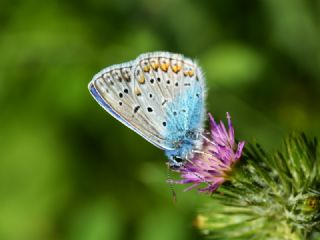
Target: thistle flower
[270,196]
[213,163]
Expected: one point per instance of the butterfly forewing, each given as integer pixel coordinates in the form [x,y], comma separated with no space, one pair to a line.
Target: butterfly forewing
[113,90]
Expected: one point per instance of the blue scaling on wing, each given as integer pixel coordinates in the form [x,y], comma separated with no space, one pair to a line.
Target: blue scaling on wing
[185,121]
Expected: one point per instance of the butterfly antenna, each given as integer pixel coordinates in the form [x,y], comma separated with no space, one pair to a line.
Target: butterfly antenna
[174,195]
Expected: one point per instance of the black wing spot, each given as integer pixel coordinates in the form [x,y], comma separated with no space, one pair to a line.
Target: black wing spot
[150,95]
[198,95]
[164,124]
[136,109]
[187,84]
[168,81]
[158,79]
[120,95]
[183,110]
[152,80]
[177,84]
[150,109]
[120,103]
[126,90]
[174,113]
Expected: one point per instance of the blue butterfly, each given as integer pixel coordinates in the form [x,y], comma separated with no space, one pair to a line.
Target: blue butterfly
[159,95]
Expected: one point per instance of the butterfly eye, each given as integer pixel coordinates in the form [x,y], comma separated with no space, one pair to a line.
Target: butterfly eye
[177,159]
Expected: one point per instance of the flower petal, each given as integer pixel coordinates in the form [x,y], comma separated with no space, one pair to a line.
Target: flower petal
[212,164]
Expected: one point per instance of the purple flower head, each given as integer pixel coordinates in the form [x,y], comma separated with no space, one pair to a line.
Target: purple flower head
[213,163]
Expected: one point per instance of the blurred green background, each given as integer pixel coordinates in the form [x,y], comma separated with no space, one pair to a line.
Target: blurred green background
[70,171]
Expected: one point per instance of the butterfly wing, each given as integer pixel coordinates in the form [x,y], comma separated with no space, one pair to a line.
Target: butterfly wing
[142,94]
[113,89]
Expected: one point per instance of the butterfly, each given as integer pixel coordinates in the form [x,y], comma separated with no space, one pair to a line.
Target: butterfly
[160,96]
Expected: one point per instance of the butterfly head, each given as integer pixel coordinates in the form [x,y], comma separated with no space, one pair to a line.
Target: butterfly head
[179,156]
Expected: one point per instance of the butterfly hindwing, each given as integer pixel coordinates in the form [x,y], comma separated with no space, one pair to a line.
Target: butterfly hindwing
[156,95]
[173,86]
